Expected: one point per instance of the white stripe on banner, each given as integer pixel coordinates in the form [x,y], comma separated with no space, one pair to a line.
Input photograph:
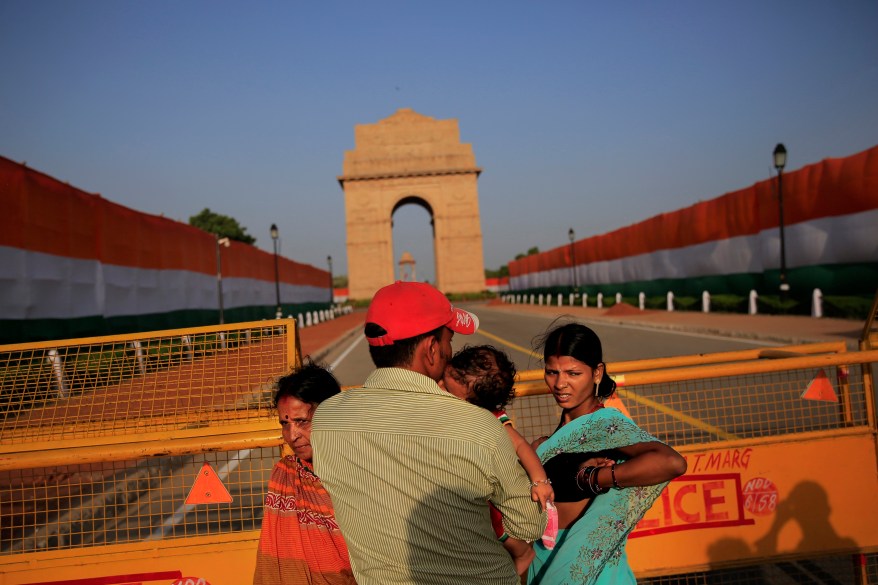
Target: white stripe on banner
[34,285]
[829,240]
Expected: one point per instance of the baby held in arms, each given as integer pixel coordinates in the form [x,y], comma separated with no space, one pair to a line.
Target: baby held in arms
[485,376]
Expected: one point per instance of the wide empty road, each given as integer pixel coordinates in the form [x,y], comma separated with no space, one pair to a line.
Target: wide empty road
[516,333]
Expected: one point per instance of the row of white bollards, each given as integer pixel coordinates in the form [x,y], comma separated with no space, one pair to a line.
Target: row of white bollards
[752,305]
[312,318]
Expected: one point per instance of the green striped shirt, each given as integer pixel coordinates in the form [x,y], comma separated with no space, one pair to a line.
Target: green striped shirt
[409,468]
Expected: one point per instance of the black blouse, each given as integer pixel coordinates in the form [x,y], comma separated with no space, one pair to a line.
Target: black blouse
[562,470]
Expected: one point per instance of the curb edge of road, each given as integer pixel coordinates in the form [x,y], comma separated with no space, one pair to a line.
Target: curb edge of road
[318,355]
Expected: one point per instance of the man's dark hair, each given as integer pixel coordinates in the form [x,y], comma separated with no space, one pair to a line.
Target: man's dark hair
[401,352]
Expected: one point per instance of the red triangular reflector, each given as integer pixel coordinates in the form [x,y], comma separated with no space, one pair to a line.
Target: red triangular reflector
[820,389]
[208,488]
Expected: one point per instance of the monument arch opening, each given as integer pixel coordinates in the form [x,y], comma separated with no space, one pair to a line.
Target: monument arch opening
[412,229]
[405,159]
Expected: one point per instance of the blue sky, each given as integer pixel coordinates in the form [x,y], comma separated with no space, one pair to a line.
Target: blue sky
[583,114]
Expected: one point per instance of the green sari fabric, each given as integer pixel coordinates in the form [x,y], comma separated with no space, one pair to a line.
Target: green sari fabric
[592,550]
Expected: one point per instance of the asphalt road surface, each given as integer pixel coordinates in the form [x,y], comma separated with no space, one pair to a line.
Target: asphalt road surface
[515,333]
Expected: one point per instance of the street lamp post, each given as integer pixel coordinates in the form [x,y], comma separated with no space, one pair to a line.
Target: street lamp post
[219,274]
[331,294]
[572,236]
[780,161]
[274,235]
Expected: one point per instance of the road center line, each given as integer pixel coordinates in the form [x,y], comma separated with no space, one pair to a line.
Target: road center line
[345,353]
[509,344]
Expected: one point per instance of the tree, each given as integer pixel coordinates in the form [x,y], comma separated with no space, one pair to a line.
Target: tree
[530,252]
[499,273]
[221,225]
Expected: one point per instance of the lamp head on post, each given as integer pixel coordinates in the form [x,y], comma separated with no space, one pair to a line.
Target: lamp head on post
[571,234]
[780,157]
[273,230]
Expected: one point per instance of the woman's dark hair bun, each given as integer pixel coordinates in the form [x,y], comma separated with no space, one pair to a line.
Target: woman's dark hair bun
[607,385]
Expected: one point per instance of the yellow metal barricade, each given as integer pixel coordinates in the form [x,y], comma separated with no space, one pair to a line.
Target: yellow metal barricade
[104,440]
[781,455]
[145,458]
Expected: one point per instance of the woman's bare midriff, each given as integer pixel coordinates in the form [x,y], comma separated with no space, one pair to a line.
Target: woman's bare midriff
[569,512]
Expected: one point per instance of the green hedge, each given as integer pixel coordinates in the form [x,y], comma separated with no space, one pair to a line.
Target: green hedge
[774,305]
[658,303]
[847,307]
[687,304]
[728,303]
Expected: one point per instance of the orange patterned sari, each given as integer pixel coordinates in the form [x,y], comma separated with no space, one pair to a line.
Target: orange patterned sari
[300,540]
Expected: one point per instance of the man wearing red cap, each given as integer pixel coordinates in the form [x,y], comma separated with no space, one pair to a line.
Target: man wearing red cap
[410,467]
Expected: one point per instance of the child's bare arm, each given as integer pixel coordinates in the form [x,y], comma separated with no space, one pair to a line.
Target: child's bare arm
[541,490]
[522,553]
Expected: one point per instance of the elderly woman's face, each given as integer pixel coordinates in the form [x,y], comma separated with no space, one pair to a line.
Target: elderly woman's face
[295,421]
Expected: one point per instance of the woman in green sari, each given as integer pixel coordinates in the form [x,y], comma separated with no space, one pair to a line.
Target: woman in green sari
[605,470]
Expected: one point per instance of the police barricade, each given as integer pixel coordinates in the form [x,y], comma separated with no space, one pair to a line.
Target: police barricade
[139,458]
[145,458]
[781,459]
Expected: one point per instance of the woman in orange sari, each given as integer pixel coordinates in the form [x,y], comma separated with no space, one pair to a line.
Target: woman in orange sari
[300,540]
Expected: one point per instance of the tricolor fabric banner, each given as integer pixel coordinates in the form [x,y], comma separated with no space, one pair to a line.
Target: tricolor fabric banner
[73,264]
[731,244]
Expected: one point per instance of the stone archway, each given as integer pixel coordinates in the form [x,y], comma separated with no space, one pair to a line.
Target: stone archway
[411,158]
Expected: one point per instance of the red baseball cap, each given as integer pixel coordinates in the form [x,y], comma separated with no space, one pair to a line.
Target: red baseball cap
[408,309]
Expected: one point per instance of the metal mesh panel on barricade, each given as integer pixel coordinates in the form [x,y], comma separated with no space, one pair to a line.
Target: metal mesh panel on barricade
[103,438]
[748,406]
[871,568]
[130,501]
[728,407]
[131,384]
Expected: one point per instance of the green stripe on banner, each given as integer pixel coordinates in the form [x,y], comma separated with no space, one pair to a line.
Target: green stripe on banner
[28,330]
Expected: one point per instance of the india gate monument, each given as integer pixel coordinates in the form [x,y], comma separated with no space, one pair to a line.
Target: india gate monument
[405,159]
